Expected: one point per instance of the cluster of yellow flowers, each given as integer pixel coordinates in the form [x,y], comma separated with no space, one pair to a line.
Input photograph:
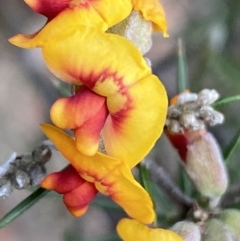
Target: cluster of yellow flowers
[117,101]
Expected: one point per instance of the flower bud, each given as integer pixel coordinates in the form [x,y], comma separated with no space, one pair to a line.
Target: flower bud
[210,116]
[174,126]
[41,154]
[5,188]
[36,173]
[207,97]
[136,29]
[189,120]
[189,231]
[193,111]
[231,218]
[215,230]
[204,165]
[5,168]
[23,161]
[173,112]
[186,97]
[20,179]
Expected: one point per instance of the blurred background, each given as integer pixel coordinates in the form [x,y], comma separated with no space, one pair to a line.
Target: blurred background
[210,31]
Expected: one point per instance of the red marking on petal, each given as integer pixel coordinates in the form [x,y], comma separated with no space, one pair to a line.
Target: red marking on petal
[90,79]
[88,134]
[63,181]
[120,116]
[48,8]
[86,113]
[74,111]
[51,8]
[78,200]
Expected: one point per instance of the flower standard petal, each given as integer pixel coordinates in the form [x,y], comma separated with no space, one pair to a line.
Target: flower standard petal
[107,63]
[133,230]
[152,10]
[132,130]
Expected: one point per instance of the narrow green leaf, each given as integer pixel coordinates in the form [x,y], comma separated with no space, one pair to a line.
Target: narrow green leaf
[108,237]
[231,148]
[225,101]
[184,183]
[146,181]
[182,67]
[23,206]
[145,178]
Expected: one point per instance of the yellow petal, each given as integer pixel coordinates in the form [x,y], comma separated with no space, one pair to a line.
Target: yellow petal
[131,230]
[132,131]
[121,186]
[112,11]
[65,20]
[152,10]
[107,63]
[111,177]
[93,168]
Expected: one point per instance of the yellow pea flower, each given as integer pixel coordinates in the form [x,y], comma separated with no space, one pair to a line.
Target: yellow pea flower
[63,14]
[131,105]
[101,14]
[111,177]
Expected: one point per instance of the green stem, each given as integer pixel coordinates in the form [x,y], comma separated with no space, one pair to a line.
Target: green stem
[182,67]
[23,206]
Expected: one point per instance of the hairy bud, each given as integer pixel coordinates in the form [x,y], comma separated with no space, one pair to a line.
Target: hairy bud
[205,166]
[215,230]
[193,111]
[207,97]
[189,231]
[231,218]
[136,29]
